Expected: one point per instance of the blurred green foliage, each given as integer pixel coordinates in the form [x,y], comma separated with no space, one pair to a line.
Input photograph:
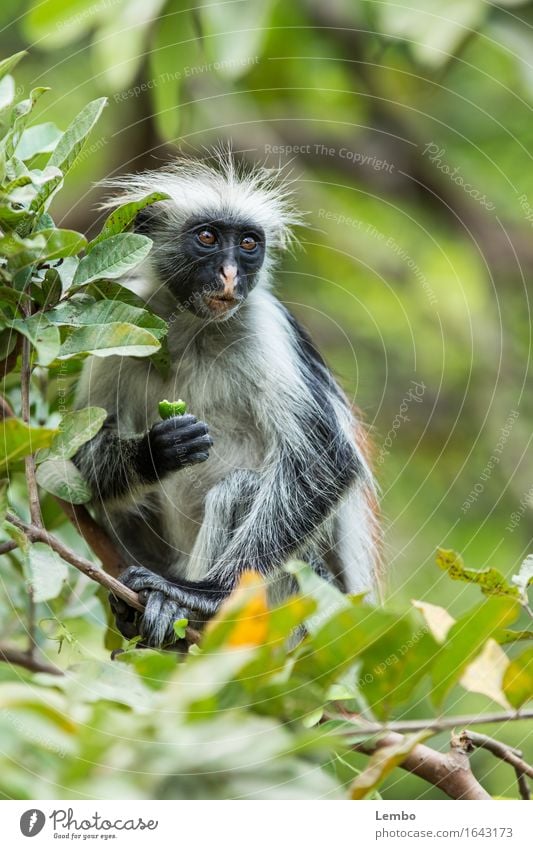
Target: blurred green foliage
[408,131]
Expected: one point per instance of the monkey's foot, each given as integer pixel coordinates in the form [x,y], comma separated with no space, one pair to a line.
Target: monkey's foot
[156,623]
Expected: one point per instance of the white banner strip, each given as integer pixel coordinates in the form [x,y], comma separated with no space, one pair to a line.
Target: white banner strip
[264,825]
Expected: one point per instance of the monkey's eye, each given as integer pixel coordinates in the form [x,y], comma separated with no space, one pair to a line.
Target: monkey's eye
[248,243]
[206,237]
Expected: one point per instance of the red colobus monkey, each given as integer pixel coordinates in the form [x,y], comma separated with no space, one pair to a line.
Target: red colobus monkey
[271,466]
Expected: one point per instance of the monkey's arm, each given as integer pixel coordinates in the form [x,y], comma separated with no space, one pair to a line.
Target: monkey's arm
[300,489]
[117,467]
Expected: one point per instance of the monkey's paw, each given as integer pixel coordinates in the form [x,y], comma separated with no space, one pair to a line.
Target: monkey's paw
[156,622]
[177,442]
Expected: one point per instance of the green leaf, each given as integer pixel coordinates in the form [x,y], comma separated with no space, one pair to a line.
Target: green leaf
[490,580]
[7,91]
[41,138]
[21,113]
[63,479]
[110,681]
[46,571]
[111,290]
[8,340]
[466,638]
[105,340]
[329,599]
[73,139]
[17,440]
[340,642]
[60,244]
[123,217]
[44,246]
[112,257]
[21,252]
[43,336]
[75,429]
[393,665]
[82,311]
[180,628]
[7,65]
[14,298]
[507,636]
[51,288]
[154,667]
[518,679]
[49,186]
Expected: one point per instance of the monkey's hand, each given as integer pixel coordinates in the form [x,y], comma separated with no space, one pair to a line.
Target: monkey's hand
[156,622]
[173,444]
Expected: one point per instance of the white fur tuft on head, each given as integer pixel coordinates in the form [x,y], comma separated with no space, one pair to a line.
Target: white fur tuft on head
[220,187]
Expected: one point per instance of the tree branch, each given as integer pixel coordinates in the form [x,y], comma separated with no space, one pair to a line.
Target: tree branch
[11,654]
[95,536]
[449,772]
[472,740]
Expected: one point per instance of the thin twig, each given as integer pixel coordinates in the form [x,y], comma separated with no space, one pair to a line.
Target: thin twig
[31,479]
[523,786]
[6,547]
[37,534]
[5,409]
[445,723]
[506,753]
[11,654]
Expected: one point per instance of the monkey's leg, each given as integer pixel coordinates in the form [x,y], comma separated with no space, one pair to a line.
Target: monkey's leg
[226,506]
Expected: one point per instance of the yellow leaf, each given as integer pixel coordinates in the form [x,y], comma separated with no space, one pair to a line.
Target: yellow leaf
[485,674]
[247,609]
[437,619]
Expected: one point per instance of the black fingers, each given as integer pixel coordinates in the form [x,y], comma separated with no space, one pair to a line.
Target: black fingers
[178,442]
[139,578]
[157,621]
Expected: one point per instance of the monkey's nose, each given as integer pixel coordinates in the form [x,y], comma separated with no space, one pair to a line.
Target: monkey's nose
[229,275]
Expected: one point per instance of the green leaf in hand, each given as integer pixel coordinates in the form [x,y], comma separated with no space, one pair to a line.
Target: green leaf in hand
[168,409]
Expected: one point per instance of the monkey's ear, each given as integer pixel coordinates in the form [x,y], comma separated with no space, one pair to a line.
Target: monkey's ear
[146,219]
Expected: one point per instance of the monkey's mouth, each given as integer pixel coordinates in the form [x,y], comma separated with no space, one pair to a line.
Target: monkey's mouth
[219,305]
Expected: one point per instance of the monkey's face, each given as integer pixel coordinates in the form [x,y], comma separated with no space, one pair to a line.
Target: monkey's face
[215,266]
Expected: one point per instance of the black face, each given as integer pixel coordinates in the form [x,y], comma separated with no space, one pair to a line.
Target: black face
[213,266]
